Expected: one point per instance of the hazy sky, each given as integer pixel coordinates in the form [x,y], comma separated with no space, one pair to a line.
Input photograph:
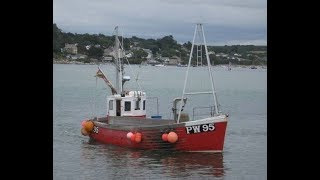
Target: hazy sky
[226,22]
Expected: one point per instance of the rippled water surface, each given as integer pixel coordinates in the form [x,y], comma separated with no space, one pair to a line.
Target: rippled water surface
[242,93]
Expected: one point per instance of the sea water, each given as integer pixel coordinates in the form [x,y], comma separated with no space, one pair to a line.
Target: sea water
[78,95]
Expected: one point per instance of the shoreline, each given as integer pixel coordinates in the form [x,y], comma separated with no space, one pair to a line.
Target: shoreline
[219,65]
[72,62]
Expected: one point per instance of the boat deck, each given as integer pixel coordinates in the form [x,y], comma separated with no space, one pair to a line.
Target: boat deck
[139,121]
[132,122]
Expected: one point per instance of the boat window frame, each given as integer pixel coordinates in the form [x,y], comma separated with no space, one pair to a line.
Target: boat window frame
[144,104]
[137,105]
[127,105]
[111,105]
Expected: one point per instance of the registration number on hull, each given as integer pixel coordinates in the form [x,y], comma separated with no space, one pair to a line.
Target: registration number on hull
[95,129]
[200,128]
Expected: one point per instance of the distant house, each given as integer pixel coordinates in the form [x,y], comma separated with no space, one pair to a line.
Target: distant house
[164,59]
[221,55]
[173,61]
[211,52]
[129,55]
[88,47]
[71,48]
[107,58]
[77,56]
[136,48]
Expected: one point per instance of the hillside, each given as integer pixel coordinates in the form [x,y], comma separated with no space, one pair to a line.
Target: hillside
[95,47]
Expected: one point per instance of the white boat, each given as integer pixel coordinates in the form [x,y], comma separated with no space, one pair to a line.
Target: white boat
[160,65]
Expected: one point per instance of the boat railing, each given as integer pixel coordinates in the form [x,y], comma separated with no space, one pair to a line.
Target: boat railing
[198,112]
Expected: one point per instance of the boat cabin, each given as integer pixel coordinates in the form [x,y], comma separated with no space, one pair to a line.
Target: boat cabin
[129,103]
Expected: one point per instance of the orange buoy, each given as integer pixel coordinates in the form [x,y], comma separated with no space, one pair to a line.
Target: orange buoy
[172,137]
[88,126]
[83,122]
[138,137]
[84,132]
[129,134]
[165,137]
[133,137]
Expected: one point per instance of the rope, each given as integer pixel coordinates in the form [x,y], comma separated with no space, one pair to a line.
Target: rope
[135,75]
[94,101]
[121,46]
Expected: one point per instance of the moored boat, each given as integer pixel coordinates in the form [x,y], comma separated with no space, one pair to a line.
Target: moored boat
[126,123]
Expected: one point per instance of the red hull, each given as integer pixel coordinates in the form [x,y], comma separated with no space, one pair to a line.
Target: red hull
[189,139]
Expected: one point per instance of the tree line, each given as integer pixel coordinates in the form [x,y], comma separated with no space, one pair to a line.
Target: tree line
[166,46]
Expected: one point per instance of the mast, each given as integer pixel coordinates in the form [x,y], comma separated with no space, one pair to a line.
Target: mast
[199,27]
[118,53]
[118,63]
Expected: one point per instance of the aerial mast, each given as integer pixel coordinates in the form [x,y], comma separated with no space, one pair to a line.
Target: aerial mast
[118,63]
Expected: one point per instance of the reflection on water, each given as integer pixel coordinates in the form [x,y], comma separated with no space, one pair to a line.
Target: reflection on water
[211,162]
[169,164]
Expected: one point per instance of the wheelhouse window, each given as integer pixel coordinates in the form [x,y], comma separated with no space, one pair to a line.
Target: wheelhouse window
[137,105]
[127,106]
[111,105]
[144,104]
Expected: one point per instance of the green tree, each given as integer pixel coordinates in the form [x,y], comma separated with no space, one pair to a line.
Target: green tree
[187,45]
[95,52]
[57,39]
[215,60]
[82,49]
[138,56]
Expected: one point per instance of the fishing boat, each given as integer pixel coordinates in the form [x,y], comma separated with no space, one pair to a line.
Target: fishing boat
[126,123]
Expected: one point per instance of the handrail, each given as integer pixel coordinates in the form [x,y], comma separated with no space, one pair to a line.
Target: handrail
[203,107]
